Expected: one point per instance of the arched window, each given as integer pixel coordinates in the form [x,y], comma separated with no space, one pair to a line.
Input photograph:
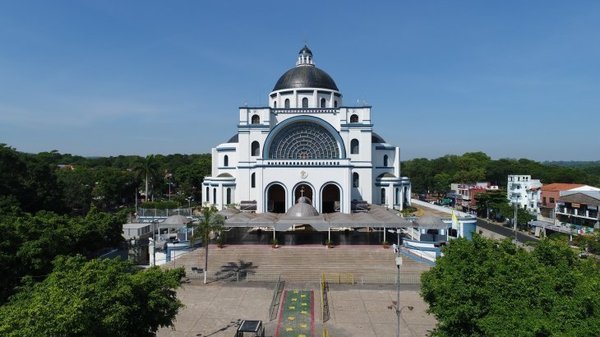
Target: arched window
[255,119]
[287,103]
[303,140]
[253,180]
[354,118]
[228,196]
[383,196]
[275,104]
[214,196]
[207,195]
[323,102]
[305,102]
[354,146]
[335,104]
[385,160]
[355,181]
[255,149]
[226,160]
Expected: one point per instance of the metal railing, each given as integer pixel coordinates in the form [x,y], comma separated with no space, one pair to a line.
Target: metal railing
[324,299]
[273,308]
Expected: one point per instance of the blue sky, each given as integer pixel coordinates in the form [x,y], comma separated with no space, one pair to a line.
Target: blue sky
[510,78]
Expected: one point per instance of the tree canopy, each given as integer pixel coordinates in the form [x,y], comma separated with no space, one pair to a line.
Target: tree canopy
[435,175]
[94,298]
[491,288]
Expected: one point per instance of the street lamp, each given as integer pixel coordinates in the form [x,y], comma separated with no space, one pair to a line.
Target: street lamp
[515,218]
[398,264]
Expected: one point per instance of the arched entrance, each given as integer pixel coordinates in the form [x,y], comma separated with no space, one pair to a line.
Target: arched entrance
[276,199]
[330,199]
[303,190]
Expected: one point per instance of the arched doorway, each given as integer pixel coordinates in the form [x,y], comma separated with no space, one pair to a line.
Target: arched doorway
[303,190]
[276,199]
[330,199]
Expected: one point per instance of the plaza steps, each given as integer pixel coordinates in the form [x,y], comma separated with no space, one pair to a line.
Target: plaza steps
[307,263]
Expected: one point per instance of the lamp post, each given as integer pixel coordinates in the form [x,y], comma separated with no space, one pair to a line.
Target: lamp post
[515,219]
[398,264]
[154,223]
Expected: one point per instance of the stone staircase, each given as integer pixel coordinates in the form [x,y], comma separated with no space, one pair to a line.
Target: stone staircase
[307,263]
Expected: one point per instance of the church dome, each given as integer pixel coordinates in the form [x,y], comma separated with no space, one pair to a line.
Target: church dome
[305,75]
[302,209]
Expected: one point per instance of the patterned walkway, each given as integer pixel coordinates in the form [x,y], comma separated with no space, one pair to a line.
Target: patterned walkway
[296,315]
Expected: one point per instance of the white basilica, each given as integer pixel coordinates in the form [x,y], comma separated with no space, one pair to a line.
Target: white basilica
[306,143]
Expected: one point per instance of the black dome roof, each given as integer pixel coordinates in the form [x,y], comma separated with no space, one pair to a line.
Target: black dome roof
[305,76]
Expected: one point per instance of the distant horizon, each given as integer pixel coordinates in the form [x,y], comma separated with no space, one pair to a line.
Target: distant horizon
[208,153]
[513,79]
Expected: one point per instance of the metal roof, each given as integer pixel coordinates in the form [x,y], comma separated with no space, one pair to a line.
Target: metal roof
[305,76]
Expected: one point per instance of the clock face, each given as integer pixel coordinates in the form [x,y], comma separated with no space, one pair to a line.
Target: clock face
[303,174]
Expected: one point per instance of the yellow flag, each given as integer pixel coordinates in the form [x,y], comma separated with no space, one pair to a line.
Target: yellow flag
[456,224]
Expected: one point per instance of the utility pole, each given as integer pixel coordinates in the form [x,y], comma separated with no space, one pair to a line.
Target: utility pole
[515,221]
[398,264]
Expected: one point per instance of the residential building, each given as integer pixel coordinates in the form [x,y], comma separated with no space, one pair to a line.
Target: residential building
[551,194]
[466,194]
[579,209]
[524,191]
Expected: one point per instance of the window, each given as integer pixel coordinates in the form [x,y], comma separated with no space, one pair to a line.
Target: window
[385,160]
[226,161]
[287,103]
[303,140]
[255,149]
[275,104]
[207,195]
[214,195]
[322,102]
[397,196]
[228,196]
[551,200]
[253,180]
[383,196]
[354,146]
[305,102]
[255,119]
[355,178]
[335,104]
[354,118]
[544,200]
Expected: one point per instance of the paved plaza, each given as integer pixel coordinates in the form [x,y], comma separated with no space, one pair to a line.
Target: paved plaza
[360,311]
[356,308]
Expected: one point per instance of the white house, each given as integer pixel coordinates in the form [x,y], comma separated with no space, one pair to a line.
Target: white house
[526,192]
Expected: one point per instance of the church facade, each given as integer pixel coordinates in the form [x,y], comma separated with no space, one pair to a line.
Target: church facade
[306,143]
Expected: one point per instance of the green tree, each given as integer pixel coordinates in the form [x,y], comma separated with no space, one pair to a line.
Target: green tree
[442,182]
[209,226]
[147,169]
[94,298]
[485,287]
[77,186]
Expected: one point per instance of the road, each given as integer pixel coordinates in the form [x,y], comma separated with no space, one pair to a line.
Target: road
[504,231]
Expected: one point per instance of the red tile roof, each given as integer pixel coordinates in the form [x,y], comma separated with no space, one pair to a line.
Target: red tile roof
[557,187]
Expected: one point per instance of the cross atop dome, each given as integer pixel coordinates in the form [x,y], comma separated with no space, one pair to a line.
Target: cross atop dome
[305,57]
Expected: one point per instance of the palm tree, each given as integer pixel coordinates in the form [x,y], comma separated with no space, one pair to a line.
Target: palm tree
[206,229]
[147,169]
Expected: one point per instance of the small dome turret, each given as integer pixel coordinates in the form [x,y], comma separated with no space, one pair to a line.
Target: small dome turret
[305,75]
